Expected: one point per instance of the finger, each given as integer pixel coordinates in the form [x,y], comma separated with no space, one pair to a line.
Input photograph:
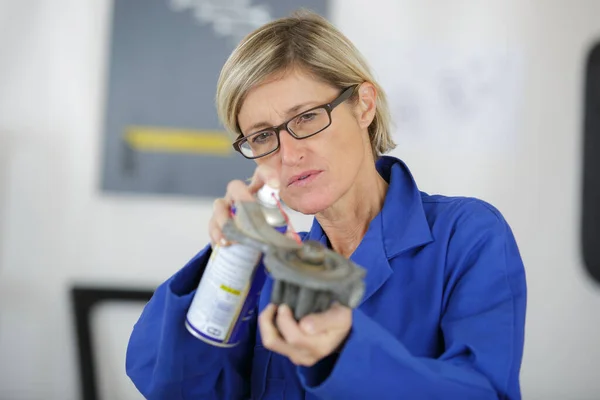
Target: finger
[289,329]
[302,352]
[263,174]
[336,317]
[305,360]
[306,349]
[268,332]
[216,235]
[237,191]
[221,211]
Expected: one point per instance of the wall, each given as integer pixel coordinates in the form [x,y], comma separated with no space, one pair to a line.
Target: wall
[56,228]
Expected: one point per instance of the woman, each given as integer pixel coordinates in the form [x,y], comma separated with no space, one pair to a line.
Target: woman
[444,308]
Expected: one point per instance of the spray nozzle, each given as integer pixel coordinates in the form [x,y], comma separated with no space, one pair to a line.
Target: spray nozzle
[268,195]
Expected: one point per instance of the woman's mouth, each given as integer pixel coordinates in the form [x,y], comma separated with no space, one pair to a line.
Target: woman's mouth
[304,179]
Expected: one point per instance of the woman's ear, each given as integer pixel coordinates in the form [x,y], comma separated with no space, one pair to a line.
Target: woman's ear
[366,107]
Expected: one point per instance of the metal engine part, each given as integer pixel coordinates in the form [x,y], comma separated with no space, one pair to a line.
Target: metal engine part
[308,277]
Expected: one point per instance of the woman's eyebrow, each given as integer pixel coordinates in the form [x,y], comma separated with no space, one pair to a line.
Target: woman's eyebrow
[296,109]
[288,113]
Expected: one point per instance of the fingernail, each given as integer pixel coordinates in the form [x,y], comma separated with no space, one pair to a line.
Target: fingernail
[223,242]
[274,183]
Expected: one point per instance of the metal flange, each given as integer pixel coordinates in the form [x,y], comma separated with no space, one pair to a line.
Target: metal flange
[308,277]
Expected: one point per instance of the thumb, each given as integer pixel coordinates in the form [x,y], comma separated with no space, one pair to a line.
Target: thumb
[332,318]
[264,174]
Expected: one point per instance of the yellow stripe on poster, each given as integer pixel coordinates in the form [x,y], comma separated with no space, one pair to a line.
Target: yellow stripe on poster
[231,290]
[169,140]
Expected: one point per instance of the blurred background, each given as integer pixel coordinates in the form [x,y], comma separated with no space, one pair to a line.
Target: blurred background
[111,155]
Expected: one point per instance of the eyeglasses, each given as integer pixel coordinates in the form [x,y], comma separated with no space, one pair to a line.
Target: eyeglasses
[302,126]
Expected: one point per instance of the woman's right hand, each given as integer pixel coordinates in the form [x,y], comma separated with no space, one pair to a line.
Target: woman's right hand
[237,191]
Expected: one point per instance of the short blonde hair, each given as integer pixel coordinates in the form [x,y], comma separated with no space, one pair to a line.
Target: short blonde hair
[306,41]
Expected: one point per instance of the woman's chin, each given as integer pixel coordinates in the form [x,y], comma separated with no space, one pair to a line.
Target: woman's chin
[308,206]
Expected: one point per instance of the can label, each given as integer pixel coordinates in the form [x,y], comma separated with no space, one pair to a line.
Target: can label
[219,306]
[226,299]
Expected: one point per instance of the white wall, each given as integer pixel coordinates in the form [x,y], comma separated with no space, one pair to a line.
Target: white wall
[56,228]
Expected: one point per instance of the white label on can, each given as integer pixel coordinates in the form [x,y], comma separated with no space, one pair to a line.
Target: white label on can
[222,290]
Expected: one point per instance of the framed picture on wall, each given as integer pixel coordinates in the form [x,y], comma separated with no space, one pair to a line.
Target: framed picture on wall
[161,132]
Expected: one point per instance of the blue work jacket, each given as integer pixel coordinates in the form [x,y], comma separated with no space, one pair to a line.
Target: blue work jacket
[442,317]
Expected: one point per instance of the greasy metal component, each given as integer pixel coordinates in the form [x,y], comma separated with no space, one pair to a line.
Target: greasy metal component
[311,278]
[307,277]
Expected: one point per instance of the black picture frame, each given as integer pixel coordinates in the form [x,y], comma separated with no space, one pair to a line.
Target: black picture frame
[84,299]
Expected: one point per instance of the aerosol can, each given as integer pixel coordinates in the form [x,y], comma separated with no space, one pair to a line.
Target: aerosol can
[228,292]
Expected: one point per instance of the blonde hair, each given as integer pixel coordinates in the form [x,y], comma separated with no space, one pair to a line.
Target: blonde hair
[306,41]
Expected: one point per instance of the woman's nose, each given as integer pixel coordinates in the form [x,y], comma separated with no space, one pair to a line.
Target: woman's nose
[291,150]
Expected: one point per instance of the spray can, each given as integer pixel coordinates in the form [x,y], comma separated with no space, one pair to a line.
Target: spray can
[229,289]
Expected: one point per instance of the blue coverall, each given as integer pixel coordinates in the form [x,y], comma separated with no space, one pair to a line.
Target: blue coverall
[442,317]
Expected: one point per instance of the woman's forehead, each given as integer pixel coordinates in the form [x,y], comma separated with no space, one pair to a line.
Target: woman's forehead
[281,96]
[289,88]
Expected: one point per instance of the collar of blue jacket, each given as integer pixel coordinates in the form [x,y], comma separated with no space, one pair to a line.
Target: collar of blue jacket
[400,226]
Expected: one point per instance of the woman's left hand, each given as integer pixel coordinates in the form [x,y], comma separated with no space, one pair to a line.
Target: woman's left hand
[308,341]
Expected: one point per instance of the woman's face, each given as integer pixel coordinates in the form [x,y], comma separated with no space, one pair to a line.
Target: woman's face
[317,171]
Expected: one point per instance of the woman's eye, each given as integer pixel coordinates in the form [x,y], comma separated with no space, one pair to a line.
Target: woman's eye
[307,117]
[261,137]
